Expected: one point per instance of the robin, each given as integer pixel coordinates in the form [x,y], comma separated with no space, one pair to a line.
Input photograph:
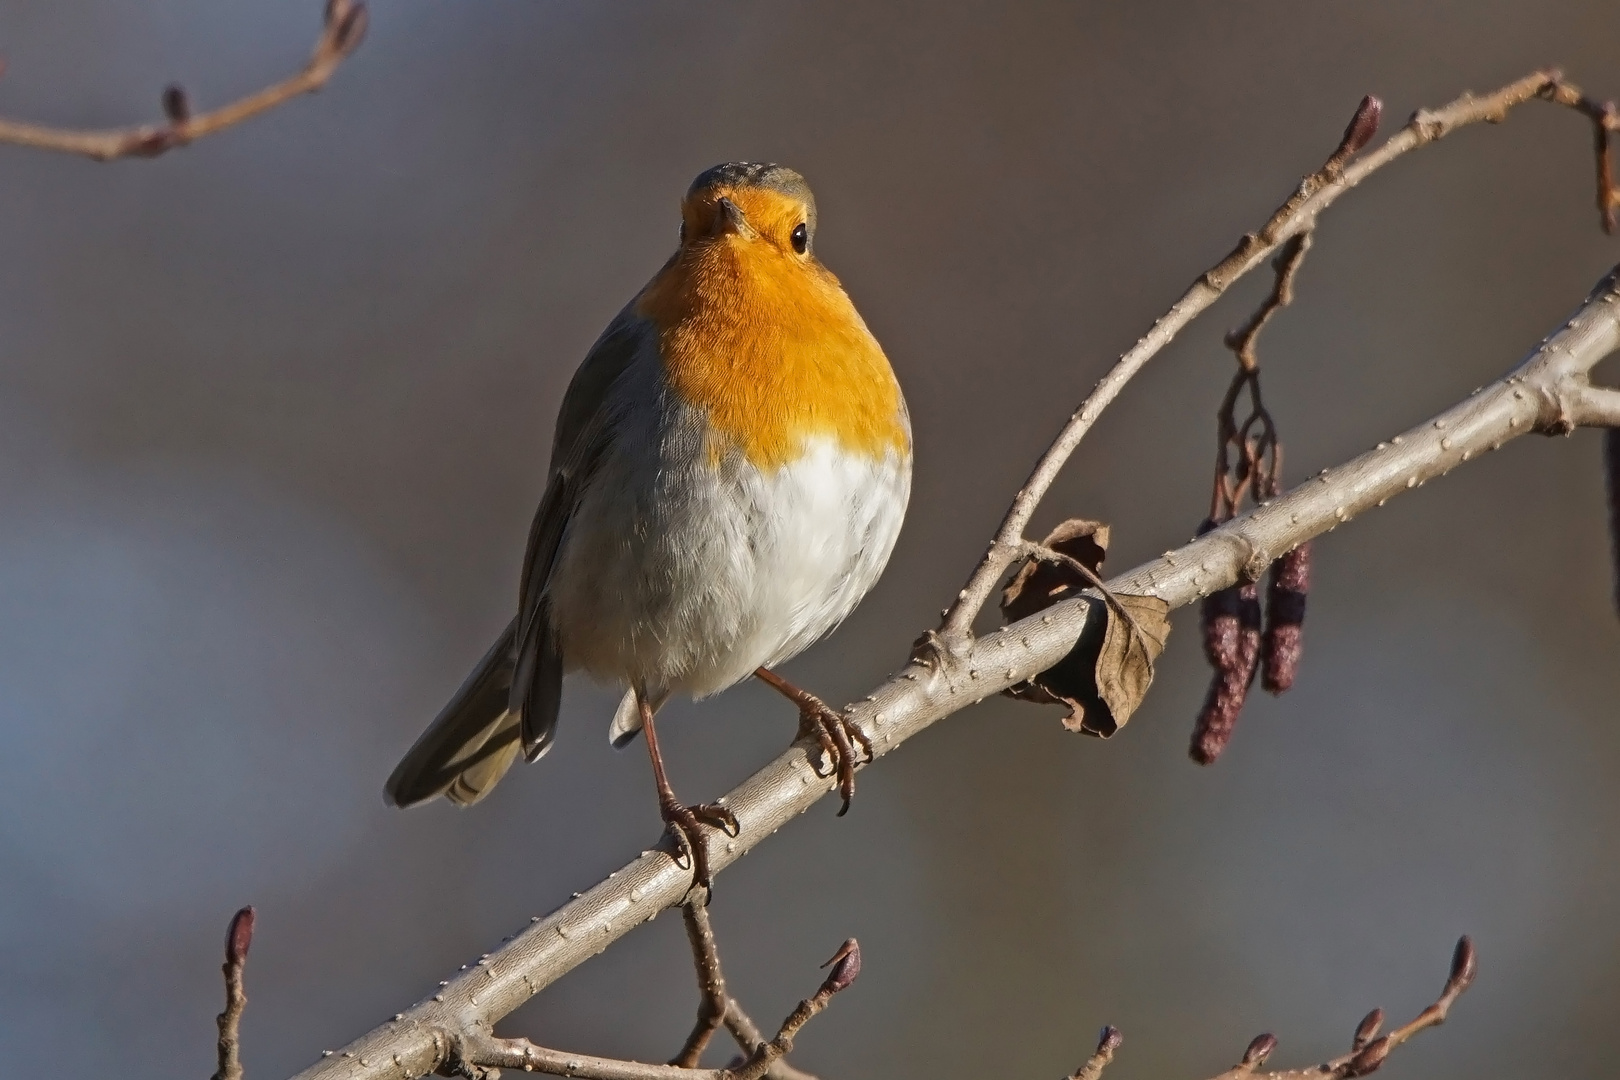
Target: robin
[730,469]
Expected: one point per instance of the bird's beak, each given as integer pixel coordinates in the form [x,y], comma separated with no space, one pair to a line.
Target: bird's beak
[733,220]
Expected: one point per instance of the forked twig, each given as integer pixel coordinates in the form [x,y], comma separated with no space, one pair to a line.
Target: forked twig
[1298,214]
[341,33]
[1368,1049]
[475,1056]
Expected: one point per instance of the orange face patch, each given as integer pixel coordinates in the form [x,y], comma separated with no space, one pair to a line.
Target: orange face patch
[766,340]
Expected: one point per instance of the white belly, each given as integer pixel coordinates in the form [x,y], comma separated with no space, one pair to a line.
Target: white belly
[685,577]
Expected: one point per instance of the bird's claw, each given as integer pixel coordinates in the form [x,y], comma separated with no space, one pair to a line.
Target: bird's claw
[837,736]
[687,823]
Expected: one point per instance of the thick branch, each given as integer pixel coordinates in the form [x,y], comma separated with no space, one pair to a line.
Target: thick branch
[1295,217]
[345,25]
[1548,392]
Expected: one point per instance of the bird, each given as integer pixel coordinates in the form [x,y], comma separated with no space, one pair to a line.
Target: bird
[729,473]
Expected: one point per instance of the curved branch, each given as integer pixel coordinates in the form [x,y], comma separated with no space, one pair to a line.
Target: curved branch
[1549,392]
[341,33]
[1295,217]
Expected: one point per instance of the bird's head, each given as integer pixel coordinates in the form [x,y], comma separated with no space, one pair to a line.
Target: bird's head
[751,204]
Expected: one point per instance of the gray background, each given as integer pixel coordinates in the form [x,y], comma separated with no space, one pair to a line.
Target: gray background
[273,414]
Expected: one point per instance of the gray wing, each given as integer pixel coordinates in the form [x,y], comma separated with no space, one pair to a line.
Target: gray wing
[510,700]
[584,425]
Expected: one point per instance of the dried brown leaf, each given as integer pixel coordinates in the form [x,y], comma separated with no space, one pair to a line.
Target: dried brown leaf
[1105,676]
[1133,641]
[1038,585]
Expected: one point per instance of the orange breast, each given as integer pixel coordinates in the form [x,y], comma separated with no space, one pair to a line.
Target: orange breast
[771,346]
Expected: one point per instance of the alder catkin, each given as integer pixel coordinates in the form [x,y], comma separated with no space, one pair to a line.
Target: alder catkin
[1231,623]
[1285,618]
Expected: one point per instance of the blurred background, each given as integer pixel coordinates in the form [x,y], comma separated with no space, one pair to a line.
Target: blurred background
[274,413]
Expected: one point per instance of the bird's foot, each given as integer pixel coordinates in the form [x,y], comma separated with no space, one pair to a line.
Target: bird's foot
[687,822]
[837,736]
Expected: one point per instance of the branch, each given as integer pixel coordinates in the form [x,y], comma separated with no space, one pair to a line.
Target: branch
[711,981]
[474,1056]
[1549,392]
[1367,1049]
[238,939]
[341,33]
[1107,1043]
[1295,217]
[717,1007]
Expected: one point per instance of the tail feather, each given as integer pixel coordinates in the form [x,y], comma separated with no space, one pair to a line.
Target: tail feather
[627,718]
[626,721]
[470,744]
[536,692]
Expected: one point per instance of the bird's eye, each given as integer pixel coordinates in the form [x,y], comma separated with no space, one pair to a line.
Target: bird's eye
[800,238]
[681,236]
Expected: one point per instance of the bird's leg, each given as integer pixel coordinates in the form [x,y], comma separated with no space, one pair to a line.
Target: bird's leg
[685,822]
[830,728]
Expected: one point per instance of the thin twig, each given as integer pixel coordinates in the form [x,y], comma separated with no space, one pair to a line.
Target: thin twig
[750,1038]
[1367,1048]
[1605,119]
[474,1056]
[341,33]
[1287,263]
[1297,215]
[1107,1043]
[846,965]
[711,981]
[238,939]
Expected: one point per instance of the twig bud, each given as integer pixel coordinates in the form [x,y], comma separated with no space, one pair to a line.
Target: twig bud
[1109,1039]
[176,106]
[350,27]
[1285,618]
[1369,1057]
[1260,1048]
[1362,127]
[239,938]
[1463,966]
[845,964]
[1367,1029]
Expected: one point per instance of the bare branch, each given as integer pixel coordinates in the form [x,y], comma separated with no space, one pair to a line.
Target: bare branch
[1107,1043]
[1367,1048]
[1294,217]
[475,1056]
[711,982]
[1549,392]
[750,1038]
[341,33]
[1605,122]
[846,965]
[1287,263]
[238,939]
